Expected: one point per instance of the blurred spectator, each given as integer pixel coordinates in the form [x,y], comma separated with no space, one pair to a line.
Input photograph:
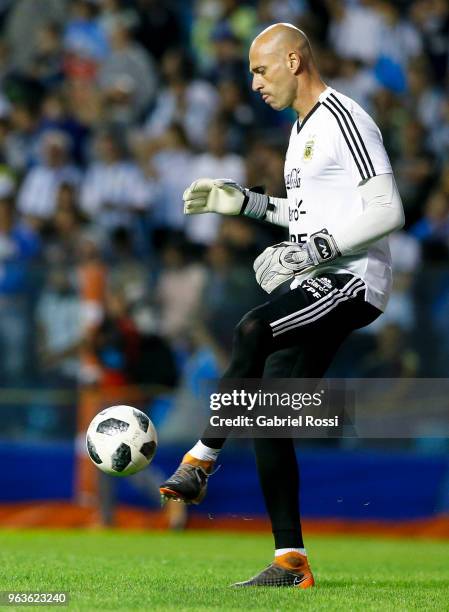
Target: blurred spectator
[265,166]
[116,341]
[433,228]
[37,195]
[184,99]
[119,108]
[444,179]
[228,62]
[432,19]
[240,236]
[230,291]
[113,11]
[156,364]
[23,25]
[127,272]
[329,62]
[236,113]
[171,161]
[129,69]
[21,145]
[356,30]
[414,170]
[114,189]
[91,283]
[7,68]
[159,28]
[128,354]
[47,64]
[4,129]
[400,43]
[425,99]
[85,102]
[392,357]
[216,162]
[406,253]
[178,278]
[438,322]
[84,38]
[58,316]
[239,18]
[439,138]
[406,257]
[19,249]
[5,6]
[65,228]
[55,115]
[205,362]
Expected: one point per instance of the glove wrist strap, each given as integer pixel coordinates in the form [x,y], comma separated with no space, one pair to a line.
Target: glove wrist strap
[254,204]
[322,247]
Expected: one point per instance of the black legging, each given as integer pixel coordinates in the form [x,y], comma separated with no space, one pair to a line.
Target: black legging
[304,352]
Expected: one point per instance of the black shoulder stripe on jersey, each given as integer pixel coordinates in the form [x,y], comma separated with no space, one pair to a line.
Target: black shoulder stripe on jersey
[351,119]
[351,136]
[337,117]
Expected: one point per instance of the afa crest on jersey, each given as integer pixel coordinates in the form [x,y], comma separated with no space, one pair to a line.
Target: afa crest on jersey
[308,149]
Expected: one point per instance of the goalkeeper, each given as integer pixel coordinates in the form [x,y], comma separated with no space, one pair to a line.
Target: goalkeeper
[342,202]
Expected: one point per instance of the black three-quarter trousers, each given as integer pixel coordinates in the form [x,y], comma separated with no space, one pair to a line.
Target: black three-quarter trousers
[296,335]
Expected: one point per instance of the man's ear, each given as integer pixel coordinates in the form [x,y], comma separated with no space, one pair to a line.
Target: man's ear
[294,62]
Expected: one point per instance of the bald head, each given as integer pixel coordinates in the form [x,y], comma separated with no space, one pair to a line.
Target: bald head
[282,38]
[283,68]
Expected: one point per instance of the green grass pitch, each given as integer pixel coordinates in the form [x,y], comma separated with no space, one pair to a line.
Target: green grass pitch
[114,570]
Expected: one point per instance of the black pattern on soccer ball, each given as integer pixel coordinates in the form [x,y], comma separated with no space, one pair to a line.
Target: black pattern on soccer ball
[93,451]
[148,449]
[121,458]
[142,420]
[111,427]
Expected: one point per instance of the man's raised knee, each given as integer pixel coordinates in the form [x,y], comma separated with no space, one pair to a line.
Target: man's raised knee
[253,330]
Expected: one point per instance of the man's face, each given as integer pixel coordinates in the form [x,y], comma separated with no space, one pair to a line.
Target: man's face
[272,77]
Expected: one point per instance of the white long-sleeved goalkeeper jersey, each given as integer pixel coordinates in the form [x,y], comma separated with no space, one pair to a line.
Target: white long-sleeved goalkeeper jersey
[330,154]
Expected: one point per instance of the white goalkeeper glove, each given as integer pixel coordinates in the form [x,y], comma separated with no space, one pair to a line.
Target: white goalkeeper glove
[223,196]
[283,261]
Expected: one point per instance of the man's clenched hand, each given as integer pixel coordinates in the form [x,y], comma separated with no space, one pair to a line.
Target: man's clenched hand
[222,196]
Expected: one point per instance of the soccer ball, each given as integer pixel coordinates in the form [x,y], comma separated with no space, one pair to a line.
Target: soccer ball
[121,440]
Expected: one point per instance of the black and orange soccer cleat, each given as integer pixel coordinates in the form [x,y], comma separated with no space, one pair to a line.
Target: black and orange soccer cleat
[289,570]
[189,483]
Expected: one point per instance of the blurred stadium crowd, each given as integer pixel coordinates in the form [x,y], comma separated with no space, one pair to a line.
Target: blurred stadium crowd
[110,108]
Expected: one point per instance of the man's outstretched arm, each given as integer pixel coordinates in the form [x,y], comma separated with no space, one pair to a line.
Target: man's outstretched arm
[226,197]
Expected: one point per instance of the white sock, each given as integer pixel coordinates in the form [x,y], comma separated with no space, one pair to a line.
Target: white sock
[203,452]
[281,551]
